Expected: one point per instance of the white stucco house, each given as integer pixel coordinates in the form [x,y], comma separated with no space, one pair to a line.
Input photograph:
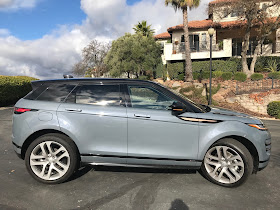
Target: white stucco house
[227,39]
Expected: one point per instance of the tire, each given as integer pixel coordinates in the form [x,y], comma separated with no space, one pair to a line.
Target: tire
[55,166]
[227,163]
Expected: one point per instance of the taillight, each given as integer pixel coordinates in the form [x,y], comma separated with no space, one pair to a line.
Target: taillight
[21,110]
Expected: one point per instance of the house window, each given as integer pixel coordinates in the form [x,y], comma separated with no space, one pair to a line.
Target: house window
[203,41]
[237,46]
[194,42]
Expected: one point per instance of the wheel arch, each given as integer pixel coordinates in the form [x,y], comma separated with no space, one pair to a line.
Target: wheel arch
[249,145]
[39,133]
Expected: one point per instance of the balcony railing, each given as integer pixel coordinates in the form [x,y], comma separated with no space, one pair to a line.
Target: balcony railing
[195,47]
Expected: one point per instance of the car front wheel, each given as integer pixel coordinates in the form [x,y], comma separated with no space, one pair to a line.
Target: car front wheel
[227,163]
[51,158]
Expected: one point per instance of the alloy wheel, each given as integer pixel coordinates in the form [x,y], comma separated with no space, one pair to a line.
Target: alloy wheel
[224,164]
[49,160]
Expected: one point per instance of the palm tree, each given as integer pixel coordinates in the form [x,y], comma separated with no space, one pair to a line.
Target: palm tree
[184,5]
[142,28]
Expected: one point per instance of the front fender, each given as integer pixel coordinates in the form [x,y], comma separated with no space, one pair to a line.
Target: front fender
[210,133]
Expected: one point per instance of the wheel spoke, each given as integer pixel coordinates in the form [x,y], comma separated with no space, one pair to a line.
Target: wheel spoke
[58,169]
[49,172]
[65,154]
[231,178]
[43,150]
[221,174]
[219,153]
[49,147]
[43,171]
[61,165]
[212,163]
[236,174]
[61,149]
[37,163]
[212,157]
[225,152]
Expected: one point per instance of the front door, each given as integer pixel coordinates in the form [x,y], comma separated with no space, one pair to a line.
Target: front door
[155,136]
[95,116]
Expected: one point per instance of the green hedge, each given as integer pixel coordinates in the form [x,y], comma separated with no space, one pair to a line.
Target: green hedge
[240,76]
[217,65]
[274,75]
[256,76]
[12,88]
[175,69]
[273,109]
[226,76]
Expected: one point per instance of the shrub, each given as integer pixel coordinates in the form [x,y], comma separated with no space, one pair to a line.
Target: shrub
[217,65]
[181,76]
[12,88]
[217,74]
[227,76]
[272,65]
[142,77]
[240,76]
[256,76]
[273,108]
[274,75]
[174,69]
[196,76]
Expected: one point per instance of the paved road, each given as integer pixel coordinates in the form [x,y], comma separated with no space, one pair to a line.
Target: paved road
[129,188]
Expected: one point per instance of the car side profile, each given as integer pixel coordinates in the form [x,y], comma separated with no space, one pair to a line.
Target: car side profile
[63,124]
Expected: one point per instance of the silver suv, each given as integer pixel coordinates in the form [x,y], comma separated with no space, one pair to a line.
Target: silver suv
[62,124]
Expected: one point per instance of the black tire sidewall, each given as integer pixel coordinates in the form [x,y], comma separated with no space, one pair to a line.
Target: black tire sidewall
[64,141]
[245,155]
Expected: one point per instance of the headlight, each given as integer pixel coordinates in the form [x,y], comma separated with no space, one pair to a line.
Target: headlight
[258,126]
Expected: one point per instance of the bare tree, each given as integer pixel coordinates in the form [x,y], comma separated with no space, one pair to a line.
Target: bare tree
[251,16]
[92,63]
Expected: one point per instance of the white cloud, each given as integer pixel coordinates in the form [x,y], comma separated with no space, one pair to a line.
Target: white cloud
[56,53]
[4,32]
[8,5]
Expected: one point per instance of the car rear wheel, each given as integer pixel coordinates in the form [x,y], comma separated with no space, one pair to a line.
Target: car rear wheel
[227,163]
[51,158]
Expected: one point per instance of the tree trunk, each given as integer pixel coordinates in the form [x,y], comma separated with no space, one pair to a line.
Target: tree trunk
[245,47]
[255,56]
[188,63]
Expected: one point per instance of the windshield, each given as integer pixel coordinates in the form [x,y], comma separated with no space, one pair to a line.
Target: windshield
[203,108]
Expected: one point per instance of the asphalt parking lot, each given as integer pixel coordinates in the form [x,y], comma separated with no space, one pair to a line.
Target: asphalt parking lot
[131,188]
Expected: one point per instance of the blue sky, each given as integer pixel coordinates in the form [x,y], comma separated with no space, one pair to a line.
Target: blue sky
[33,23]
[45,38]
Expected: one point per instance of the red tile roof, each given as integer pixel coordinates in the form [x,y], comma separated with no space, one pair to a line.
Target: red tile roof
[197,24]
[164,35]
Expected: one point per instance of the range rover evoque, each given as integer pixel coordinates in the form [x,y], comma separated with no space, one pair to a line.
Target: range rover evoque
[62,124]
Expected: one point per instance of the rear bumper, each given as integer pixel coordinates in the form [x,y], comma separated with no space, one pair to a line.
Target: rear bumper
[17,149]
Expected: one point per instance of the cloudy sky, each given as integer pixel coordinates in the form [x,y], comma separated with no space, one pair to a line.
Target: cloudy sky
[44,38]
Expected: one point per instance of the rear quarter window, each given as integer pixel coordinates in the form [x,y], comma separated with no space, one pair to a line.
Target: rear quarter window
[51,92]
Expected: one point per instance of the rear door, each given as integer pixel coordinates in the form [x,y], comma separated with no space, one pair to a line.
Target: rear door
[94,114]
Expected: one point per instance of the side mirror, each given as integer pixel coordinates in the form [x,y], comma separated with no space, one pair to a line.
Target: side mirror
[178,108]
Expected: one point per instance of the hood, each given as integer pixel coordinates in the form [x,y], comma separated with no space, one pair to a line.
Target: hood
[227,112]
[228,115]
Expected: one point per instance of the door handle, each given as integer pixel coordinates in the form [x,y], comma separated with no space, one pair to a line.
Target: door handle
[73,110]
[142,116]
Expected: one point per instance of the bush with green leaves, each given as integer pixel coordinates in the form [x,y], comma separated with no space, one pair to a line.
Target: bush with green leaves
[12,88]
[273,109]
[217,74]
[226,76]
[240,76]
[217,65]
[174,69]
[274,75]
[256,76]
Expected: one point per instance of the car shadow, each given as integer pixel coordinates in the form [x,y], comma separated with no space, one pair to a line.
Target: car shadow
[85,169]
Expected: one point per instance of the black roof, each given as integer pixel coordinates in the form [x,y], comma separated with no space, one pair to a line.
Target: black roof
[77,80]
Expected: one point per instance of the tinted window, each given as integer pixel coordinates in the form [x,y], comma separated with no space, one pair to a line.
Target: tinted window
[36,92]
[102,95]
[148,98]
[56,92]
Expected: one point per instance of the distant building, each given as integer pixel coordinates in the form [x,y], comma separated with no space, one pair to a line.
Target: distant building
[227,40]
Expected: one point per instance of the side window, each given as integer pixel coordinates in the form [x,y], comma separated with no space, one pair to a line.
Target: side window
[55,92]
[148,98]
[102,95]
